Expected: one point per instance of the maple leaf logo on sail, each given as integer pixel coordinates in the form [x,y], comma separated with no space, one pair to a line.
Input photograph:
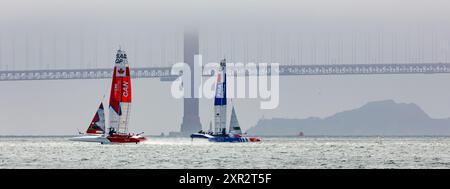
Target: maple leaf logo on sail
[121,72]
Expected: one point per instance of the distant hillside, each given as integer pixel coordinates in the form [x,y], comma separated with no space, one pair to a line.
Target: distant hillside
[386,118]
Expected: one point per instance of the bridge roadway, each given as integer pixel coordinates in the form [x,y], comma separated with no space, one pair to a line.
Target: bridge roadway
[285,70]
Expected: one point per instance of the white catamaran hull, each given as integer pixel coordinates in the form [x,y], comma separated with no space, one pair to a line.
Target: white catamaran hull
[91,138]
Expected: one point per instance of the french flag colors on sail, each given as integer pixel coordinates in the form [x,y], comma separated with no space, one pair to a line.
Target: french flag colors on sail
[220,100]
[221,91]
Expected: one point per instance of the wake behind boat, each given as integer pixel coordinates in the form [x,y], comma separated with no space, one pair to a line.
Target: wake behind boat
[220,114]
[119,109]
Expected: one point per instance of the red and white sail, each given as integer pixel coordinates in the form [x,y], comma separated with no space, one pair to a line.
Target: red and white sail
[97,125]
[120,97]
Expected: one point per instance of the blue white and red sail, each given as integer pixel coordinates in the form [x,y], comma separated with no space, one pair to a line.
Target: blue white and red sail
[96,129]
[97,125]
[220,100]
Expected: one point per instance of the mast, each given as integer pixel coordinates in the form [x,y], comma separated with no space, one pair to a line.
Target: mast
[120,97]
[220,100]
[210,127]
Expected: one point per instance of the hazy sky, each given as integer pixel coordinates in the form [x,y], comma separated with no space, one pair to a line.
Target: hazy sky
[86,33]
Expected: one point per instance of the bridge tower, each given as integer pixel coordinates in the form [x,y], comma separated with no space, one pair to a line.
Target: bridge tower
[191,119]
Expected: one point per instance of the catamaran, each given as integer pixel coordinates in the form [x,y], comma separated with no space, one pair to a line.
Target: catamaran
[119,109]
[220,114]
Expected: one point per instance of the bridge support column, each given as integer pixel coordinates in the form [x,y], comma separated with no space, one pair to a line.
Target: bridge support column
[191,120]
